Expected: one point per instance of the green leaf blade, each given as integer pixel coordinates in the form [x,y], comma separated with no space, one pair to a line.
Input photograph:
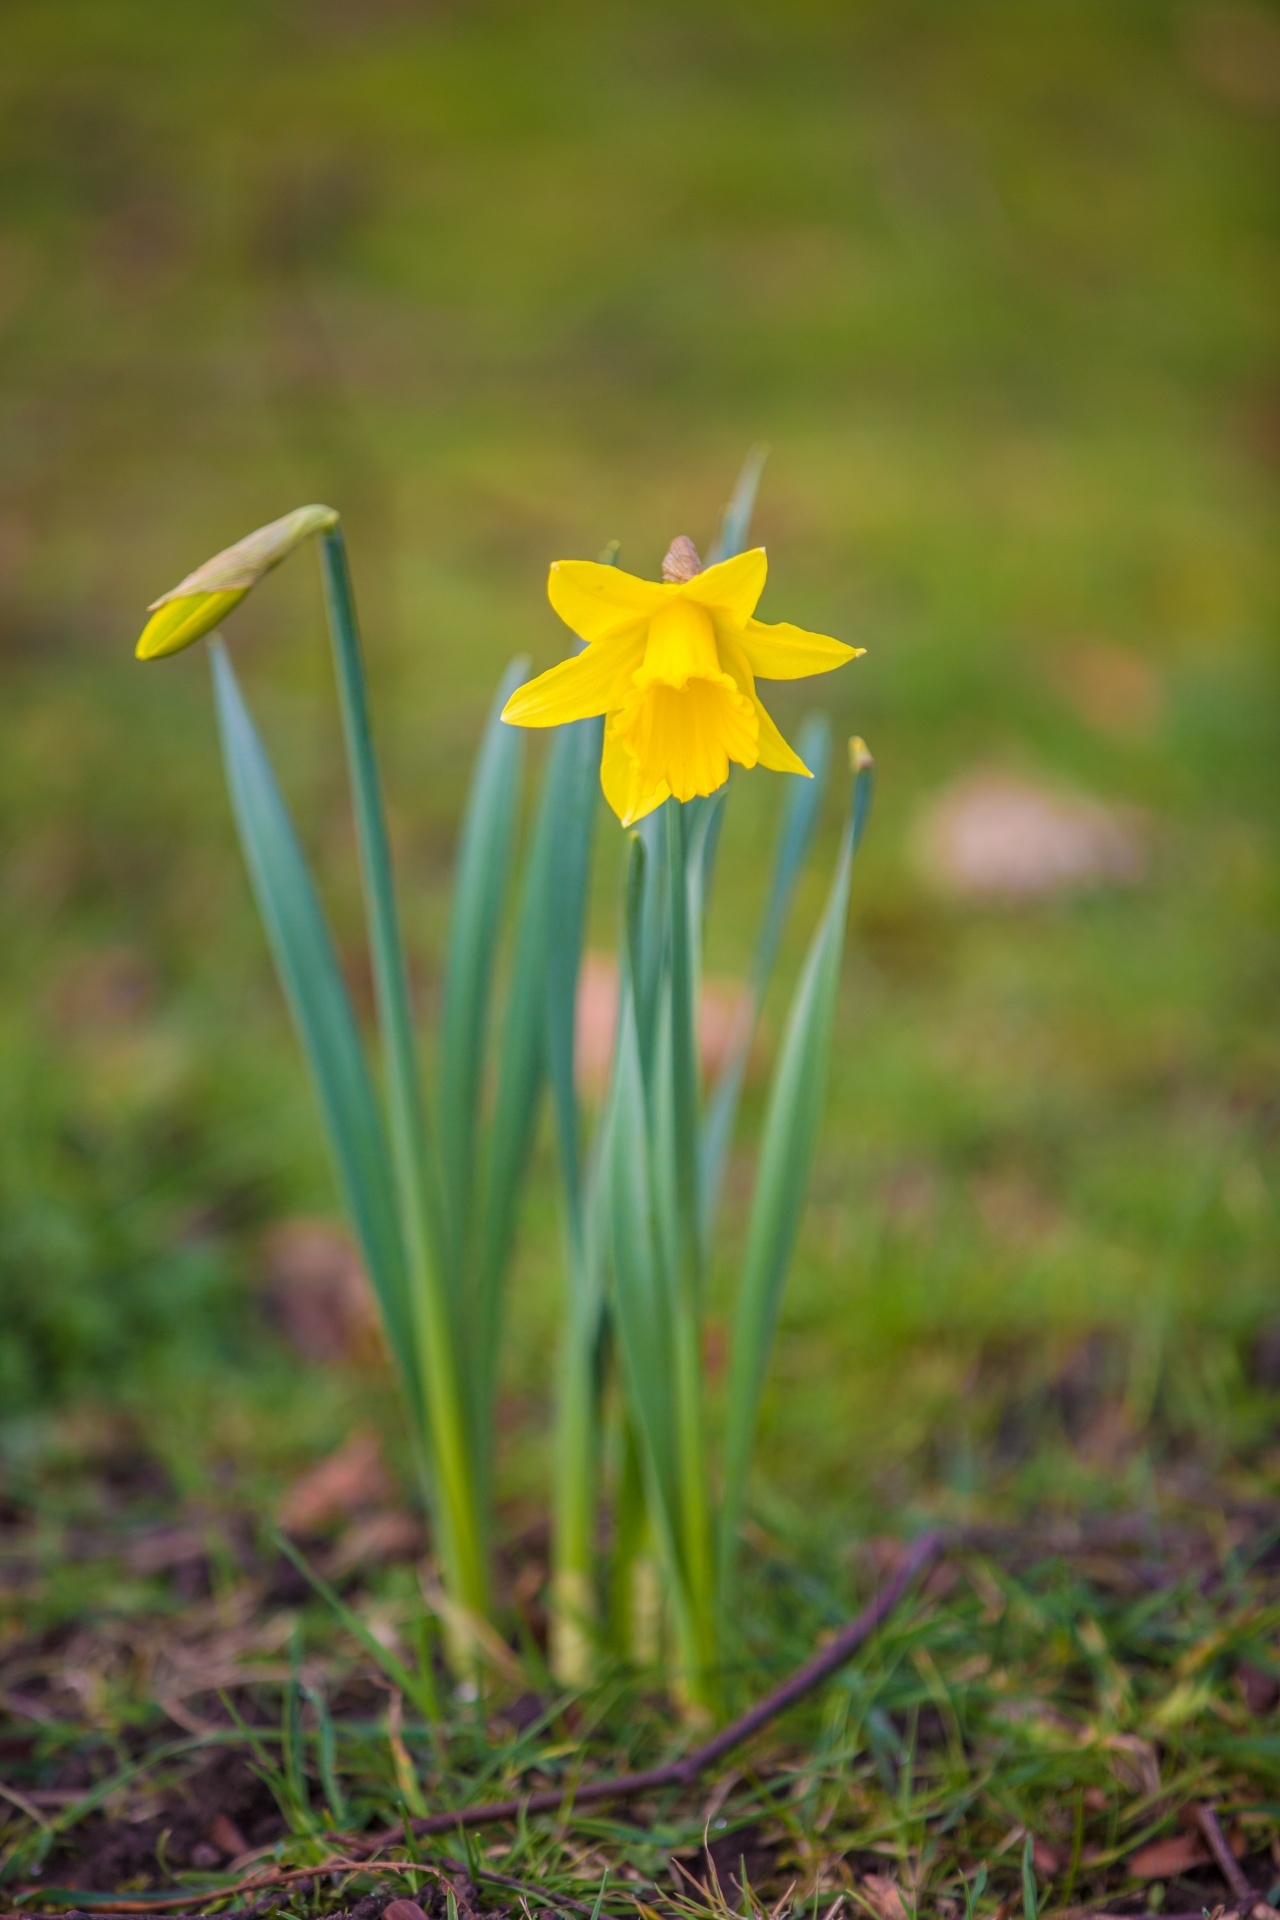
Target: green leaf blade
[479,890]
[800,820]
[792,1119]
[307,965]
[538,1023]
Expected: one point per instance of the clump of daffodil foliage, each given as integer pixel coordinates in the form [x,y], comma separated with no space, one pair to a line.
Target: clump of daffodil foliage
[654,709]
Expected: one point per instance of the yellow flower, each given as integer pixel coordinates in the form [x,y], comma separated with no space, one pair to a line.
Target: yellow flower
[196,605]
[672,664]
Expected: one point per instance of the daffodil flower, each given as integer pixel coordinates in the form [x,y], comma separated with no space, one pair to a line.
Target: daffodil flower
[672,664]
[197,604]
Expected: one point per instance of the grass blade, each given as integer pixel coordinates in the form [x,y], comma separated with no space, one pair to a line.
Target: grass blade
[397,1673]
[796,1100]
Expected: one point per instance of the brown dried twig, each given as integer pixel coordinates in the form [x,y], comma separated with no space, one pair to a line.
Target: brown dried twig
[681,1773]
[359,1851]
[1247,1898]
[162,1905]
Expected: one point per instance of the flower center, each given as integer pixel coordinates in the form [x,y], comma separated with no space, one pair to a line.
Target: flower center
[681,646]
[686,736]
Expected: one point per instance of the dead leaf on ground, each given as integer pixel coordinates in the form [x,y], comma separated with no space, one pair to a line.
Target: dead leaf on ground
[1046,1860]
[376,1541]
[111,988]
[1259,1690]
[227,1837]
[162,1549]
[347,1480]
[1234,48]
[1178,1854]
[1135,1762]
[884,1896]
[316,1292]
[1114,690]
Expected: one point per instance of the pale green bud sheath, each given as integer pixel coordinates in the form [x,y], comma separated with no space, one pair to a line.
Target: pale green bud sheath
[197,604]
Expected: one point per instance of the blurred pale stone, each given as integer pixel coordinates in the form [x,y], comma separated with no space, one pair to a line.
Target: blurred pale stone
[996,838]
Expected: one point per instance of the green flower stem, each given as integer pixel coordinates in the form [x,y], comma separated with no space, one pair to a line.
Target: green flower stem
[454,1491]
[684,1065]
[697,1619]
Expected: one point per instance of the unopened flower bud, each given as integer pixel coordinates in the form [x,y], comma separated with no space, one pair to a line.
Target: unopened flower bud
[196,605]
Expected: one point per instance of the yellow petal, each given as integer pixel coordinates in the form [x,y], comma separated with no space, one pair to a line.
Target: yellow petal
[176,623]
[732,586]
[735,662]
[615,773]
[643,803]
[686,736]
[596,600]
[772,749]
[784,652]
[593,681]
[681,645]
[623,789]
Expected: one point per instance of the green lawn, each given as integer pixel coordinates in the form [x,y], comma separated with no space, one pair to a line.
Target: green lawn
[998,283]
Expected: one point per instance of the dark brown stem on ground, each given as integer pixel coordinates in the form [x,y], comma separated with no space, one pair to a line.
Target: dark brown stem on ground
[679,1773]
[1228,1866]
[357,1851]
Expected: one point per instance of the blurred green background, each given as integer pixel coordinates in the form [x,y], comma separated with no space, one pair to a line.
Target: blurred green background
[999,285]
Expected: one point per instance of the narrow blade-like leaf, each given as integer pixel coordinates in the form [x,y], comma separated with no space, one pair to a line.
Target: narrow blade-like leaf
[803,809]
[796,1101]
[735,527]
[640,1287]
[307,965]
[479,889]
[538,1023]
[576,774]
